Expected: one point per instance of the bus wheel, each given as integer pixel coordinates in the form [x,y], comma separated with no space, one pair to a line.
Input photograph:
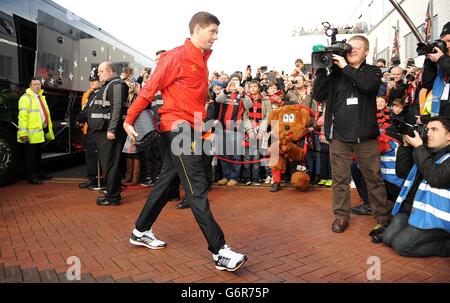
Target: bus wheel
[8,156]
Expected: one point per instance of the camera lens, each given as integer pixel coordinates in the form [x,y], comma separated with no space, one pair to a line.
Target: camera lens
[323,59]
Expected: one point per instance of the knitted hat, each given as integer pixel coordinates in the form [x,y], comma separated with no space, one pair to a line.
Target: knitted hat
[214,83]
[446,29]
[236,75]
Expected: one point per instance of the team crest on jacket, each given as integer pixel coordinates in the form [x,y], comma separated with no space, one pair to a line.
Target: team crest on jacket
[193,68]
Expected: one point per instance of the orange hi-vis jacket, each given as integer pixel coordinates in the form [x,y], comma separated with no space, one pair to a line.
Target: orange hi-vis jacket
[84,100]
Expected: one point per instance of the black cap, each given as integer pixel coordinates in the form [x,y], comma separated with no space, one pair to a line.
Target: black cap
[94,74]
[446,29]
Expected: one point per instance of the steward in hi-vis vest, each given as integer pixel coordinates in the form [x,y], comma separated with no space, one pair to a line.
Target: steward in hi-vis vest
[106,115]
[35,128]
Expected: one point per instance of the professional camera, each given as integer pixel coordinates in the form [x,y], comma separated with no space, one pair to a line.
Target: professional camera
[399,128]
[428,48]
[323,58]
[410,77]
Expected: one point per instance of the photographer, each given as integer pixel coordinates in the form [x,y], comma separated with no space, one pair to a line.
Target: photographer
[297,92]
[396,87]
[421,223]
[351,126]
[436,71]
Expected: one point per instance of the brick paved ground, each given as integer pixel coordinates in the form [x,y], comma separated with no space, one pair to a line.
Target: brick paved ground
[286,236]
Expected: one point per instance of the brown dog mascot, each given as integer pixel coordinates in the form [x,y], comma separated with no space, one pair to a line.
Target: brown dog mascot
[293,121]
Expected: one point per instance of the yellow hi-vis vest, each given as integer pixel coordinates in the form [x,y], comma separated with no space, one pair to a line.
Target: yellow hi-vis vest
[30,121]
[425,101]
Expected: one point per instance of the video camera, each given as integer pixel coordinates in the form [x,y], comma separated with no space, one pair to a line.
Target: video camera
[323,58]
[428,48]
[399,128]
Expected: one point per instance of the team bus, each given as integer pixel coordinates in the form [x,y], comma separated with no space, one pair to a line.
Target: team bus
[40,38]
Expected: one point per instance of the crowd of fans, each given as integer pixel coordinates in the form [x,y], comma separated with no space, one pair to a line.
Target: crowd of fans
[398,98]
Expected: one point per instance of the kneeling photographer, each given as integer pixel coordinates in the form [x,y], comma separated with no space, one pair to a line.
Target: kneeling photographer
[421,223]
[436,74]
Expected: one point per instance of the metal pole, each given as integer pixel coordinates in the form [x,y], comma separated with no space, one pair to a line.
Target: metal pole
[99,187]
[431,21]
[98,172]
[407,20]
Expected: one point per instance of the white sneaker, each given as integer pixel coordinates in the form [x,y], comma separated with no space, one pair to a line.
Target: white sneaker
[146,239]
[268,179]
[229,260]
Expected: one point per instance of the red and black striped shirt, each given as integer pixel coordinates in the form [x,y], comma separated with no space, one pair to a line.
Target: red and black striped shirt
[231,110]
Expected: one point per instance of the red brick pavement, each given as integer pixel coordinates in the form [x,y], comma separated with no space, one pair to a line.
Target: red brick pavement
[286,236]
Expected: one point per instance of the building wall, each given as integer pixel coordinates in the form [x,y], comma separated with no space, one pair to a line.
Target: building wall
[381,33]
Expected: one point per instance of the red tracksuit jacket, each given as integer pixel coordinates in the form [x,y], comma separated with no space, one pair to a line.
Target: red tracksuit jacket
[182,77]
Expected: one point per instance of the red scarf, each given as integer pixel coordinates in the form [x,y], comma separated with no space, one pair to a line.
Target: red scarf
[384,118]
[276,98]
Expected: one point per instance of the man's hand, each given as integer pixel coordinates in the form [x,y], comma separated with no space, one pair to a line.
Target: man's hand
[415,142]
[24,139]
[418,121]
[129,129]
[110,136]
[435,57]
[339,61]
[391,84]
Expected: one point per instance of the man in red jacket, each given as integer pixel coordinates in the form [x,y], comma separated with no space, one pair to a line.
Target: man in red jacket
[182,77]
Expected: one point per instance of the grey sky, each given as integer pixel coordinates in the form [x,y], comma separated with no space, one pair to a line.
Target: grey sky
[251,32]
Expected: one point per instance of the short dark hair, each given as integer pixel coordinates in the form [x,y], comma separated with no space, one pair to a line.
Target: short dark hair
[160,52]
[203,19]
[272,83]
[255,82]
[444,121]
[298,61]
[398,101]
[34,79]
[386,99]
[382,61]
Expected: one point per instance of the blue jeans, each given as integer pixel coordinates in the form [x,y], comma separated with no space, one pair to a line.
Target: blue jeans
[233,150]
[251,168]
[410,241]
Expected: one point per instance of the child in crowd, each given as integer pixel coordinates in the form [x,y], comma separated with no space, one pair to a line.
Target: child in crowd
[274,95]
[383,113]
[255,121]
[398,111]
